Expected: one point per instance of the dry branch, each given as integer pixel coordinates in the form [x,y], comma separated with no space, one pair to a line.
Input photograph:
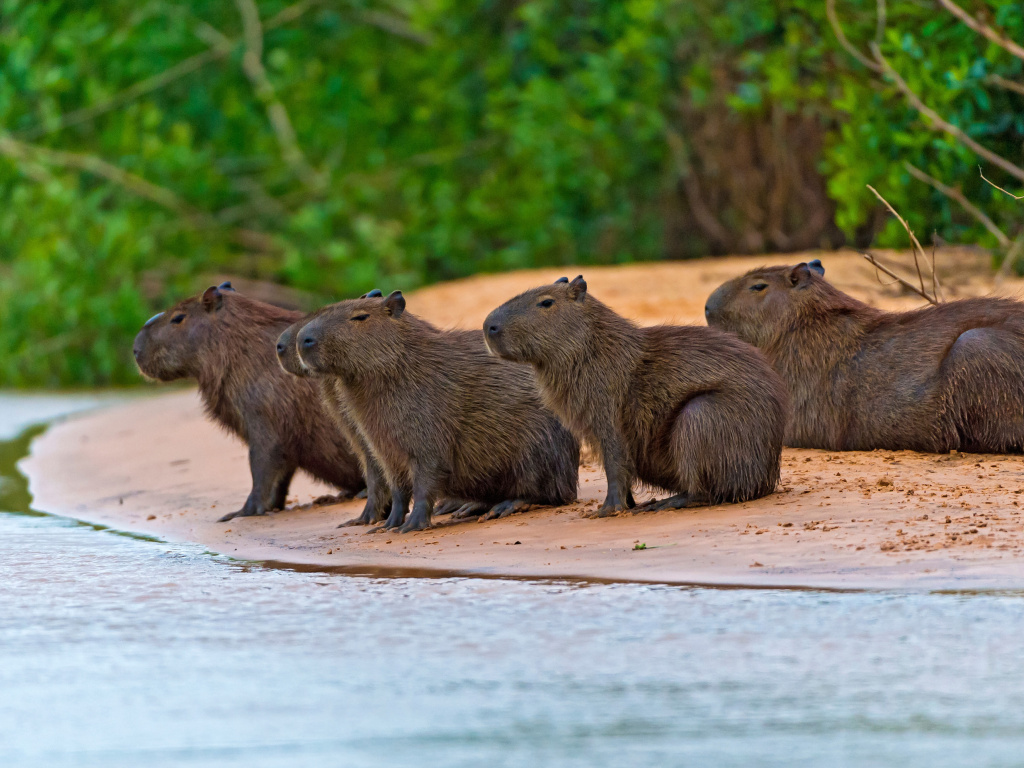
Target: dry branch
[1009,85]
[917,249]
[837,28]
[955,194]
[905,283]
[984,29]
[1015,197]
[944,125]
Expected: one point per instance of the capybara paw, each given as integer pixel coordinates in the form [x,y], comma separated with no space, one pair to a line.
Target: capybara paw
[240,513]
[415,525]
[679,501]
[505,508]
[447,507]
[469,509]
[604,510]
[361,520]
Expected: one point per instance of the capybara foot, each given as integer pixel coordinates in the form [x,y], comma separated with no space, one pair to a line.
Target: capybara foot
[363,519]
[243,512]
[469,509]
[415,523]
[679,501]
[447,506]
[506,508]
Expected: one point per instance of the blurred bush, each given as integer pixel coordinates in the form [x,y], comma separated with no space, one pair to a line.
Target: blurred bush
[148,148]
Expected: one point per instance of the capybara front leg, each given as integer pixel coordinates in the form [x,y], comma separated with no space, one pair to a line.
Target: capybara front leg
[271,477]
[506,508]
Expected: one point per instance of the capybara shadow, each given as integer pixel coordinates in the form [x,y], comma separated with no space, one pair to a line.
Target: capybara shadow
[443,417]
[225,341]
[687,409]
[936,379]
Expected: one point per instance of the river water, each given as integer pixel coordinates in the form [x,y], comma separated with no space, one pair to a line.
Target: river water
[121,651]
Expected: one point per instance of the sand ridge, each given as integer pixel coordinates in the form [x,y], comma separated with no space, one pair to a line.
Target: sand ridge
[879,519]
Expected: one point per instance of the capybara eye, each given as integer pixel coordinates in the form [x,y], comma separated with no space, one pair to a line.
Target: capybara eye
[546,303]
[177,319]
[360,317]
[758,286]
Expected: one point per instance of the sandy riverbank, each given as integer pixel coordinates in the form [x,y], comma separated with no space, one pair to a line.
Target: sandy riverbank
[848,520]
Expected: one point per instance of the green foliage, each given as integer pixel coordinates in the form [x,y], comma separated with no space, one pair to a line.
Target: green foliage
[433,139]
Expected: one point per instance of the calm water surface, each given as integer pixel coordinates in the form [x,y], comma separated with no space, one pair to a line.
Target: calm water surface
[116,651]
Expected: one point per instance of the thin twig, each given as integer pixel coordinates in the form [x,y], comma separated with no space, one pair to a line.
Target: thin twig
[837,28]
[1015,197]
[984,29]
[252,65]
[1011,258]
[958,196]
[942,124]
[913,238]
[880,15]
[906,284]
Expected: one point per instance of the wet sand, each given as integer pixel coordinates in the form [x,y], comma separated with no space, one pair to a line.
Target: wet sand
[878,519]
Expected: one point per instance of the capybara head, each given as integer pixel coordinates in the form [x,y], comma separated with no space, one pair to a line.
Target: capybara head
[763,303]
[171,344]
[287,349]
[363,335]
[540,322]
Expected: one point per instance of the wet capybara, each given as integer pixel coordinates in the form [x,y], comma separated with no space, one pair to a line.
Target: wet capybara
[941,378]
[225,341]
[687,409]
[441,415]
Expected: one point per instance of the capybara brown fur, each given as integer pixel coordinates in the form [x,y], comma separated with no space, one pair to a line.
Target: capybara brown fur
[225,341]
[688,409]
[442,416]
[941,378]
[332,396]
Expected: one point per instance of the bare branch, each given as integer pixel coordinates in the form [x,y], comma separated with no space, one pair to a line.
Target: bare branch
[906,284]
[955,194]
[1015,197]
[252,65]
[983,29]
[32,154]
[944,125]
[1009,85]
[837,28]
[880,14]
[913,238]
[396,26]
[221,47]
[1011,258]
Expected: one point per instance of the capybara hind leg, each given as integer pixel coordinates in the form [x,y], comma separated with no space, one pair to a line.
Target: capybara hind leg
[506,508]
[470,509]
[378,502]
[448,506]
[679,501]
[986,391]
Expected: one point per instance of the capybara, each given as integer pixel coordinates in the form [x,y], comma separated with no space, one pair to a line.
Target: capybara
[442,416]
[225,341]
[378,495]
[941,378]
[687,409]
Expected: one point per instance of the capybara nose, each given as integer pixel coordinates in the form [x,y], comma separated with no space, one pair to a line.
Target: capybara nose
[493,330]
[280,349]
[308,342]
[707,310]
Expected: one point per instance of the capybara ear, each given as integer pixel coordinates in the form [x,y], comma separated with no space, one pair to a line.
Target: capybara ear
[816,265]
[394,304]
[578,288]
[374,294]
[225,286]
[212,299]
[800,275]
[562,280]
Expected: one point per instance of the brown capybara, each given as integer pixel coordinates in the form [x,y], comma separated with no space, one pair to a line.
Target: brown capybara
[225,341]
[441,415]
[378,495]
[688,409]
[941,378]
